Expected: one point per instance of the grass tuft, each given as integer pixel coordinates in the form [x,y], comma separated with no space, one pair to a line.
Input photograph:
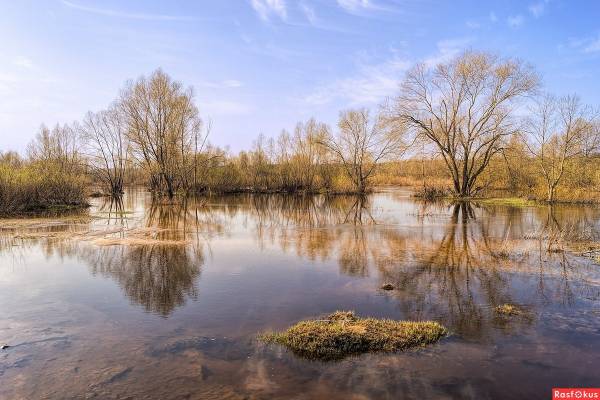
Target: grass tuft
[343,333]
[509,310]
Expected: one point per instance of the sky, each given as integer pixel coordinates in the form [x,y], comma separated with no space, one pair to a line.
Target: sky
[258,66]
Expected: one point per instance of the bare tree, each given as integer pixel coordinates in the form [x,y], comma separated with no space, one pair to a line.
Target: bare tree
[465,108]
[163,123]
[360,145]
[104,134]
[557,131]
[308,153]
[59,147]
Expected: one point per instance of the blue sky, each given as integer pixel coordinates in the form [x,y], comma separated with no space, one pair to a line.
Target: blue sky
[258,66]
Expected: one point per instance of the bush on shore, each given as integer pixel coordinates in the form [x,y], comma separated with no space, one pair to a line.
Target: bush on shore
[37,188]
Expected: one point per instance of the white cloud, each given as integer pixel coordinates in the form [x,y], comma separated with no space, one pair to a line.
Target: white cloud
[309,13]
[364,7]
[593,46]
[232,83]
[585,45]
[121,14]
[355,5]
[493,17]
[473,25]
[23,62]
[514,21]
[267,8]
[447,50]
[373,82]
[226,84]
[537,9]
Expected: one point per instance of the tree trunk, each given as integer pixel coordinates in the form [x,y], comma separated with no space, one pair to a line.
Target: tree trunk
[551,192]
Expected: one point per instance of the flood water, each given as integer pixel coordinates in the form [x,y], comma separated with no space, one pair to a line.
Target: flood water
[151,301]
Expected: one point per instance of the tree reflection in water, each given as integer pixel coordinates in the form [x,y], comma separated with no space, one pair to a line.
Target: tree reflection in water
[456,269]
[450,262]
[160,277]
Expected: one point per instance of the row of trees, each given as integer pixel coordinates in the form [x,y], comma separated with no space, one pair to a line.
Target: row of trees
[468,112]
[154,126]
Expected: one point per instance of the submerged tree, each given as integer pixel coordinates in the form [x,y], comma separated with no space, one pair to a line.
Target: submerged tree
[163,126]
[104,134]
[361,145]
[465,109]
[558,130]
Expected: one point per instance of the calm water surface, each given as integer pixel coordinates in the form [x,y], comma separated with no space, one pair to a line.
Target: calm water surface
[165,301]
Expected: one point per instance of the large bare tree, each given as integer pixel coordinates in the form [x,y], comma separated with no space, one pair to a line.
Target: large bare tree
[465,109]
[361,144]
[163,125]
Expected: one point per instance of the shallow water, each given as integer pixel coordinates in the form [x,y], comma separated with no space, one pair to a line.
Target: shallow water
[165,301]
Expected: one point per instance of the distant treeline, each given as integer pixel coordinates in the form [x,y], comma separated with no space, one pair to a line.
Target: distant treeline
[463,128]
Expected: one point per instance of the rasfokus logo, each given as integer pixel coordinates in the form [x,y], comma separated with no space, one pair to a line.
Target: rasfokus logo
[575,393]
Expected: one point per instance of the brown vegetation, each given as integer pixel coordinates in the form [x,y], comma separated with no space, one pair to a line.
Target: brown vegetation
[342,333]
[457,120]
[50,178]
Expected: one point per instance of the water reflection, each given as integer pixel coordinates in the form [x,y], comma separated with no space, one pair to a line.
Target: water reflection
[158,277]
[162,274]
[241,264]
[452,261]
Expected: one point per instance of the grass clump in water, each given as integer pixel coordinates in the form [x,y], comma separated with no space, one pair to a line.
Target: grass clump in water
[508,310]
[342,333]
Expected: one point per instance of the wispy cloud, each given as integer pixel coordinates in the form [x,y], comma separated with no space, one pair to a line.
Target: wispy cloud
[473,25]
[515,21]
[364,7]
[592,46]
[588,45]
[370,85]
[373,82]
[493,17]
[265,9]
[128,15]
[309,13]
[537,9]
[446,50]
[356,5]
[226,84]
[313,20]
[232,83]
[23,62]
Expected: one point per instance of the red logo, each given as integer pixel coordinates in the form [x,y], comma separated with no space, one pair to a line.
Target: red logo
[575,393]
